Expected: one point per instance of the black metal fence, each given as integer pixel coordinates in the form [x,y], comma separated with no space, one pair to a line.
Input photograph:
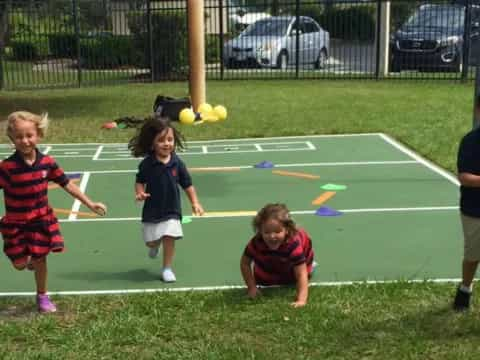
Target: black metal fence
[66,43]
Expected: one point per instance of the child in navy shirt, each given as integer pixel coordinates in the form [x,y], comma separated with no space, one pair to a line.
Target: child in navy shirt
[157,180]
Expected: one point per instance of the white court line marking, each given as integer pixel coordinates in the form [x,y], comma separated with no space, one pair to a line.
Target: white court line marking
[187,153]
[435,168]
[204,149]
[59,149]
[72,156]
[46,150]
[264,143]
[252,167]
[98,152]
[248,213]
[231,140]
[77,203]
[233,287]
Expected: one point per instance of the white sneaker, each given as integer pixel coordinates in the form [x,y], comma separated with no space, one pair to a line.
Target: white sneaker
[168,275]
[153,252]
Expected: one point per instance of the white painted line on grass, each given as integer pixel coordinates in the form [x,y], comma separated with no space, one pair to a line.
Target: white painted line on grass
[251,167]
[435,168]
[77,203]
[349,163]
[214,152]
[226,140]
[248,213]
[231,287]
[93,148]
[98,152]
[72,156]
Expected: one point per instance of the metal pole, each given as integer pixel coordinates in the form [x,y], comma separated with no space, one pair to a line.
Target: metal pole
[77,40]
[221,38]
[378,40]
[476,99]
[1,67]
[466,40]
[297,38]
[150,41]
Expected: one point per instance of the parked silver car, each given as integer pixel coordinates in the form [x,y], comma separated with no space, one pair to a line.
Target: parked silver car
[272,42]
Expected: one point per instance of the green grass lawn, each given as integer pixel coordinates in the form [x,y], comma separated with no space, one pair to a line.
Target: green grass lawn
[395,321]
[28,75]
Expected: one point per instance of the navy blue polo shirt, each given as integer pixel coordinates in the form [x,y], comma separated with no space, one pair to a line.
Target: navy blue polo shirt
[161,183]
[468,161]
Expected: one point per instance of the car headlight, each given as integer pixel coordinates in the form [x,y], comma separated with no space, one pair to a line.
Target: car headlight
[450,40]
[265,47]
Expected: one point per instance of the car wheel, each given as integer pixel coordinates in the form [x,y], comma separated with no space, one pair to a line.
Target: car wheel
[458,67]
[282,61]
[230,64]
[321,59]
[395,66]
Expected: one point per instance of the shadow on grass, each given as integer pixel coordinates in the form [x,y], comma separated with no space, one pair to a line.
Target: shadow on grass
[22,312]
[240,297]
[437,324]
[57,106]
[443,323]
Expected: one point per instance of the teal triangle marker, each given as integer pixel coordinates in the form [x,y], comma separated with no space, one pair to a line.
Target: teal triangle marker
[333,187]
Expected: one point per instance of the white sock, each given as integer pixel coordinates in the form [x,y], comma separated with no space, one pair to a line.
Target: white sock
[466,289]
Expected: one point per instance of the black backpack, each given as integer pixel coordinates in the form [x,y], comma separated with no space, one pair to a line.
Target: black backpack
[170,107]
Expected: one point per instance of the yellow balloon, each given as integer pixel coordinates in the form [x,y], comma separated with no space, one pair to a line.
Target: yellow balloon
[187,116]
[209,117]
[204,108]
[220,111]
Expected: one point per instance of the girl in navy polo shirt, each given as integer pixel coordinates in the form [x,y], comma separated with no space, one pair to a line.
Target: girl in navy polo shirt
[280,253]
[157,180]
[29,227]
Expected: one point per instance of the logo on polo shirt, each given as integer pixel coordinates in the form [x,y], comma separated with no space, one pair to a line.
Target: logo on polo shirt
[174,172]
[44,174]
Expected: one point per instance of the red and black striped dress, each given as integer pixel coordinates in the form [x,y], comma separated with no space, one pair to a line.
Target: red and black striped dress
[29,226]
[275,267]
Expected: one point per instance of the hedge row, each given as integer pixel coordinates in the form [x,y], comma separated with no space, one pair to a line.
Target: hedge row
[100,51]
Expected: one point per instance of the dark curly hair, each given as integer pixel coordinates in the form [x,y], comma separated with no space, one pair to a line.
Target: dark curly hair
[278,212]
[141,143]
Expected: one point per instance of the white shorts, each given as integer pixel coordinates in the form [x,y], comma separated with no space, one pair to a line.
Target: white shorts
[155,231]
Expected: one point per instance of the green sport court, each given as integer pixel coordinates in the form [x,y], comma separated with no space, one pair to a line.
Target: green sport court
[399,214]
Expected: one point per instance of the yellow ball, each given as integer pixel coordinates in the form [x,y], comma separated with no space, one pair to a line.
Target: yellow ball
[220,111]
[187,116]
[204,108]
[210,117]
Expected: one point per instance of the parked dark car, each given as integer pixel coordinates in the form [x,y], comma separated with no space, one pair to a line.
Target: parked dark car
[432,38]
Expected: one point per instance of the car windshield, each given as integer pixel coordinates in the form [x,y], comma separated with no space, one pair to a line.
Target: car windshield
[268,28]
[437,18]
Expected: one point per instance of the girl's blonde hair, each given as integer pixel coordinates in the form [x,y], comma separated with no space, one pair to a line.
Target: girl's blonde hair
[40,121]
[278,212]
